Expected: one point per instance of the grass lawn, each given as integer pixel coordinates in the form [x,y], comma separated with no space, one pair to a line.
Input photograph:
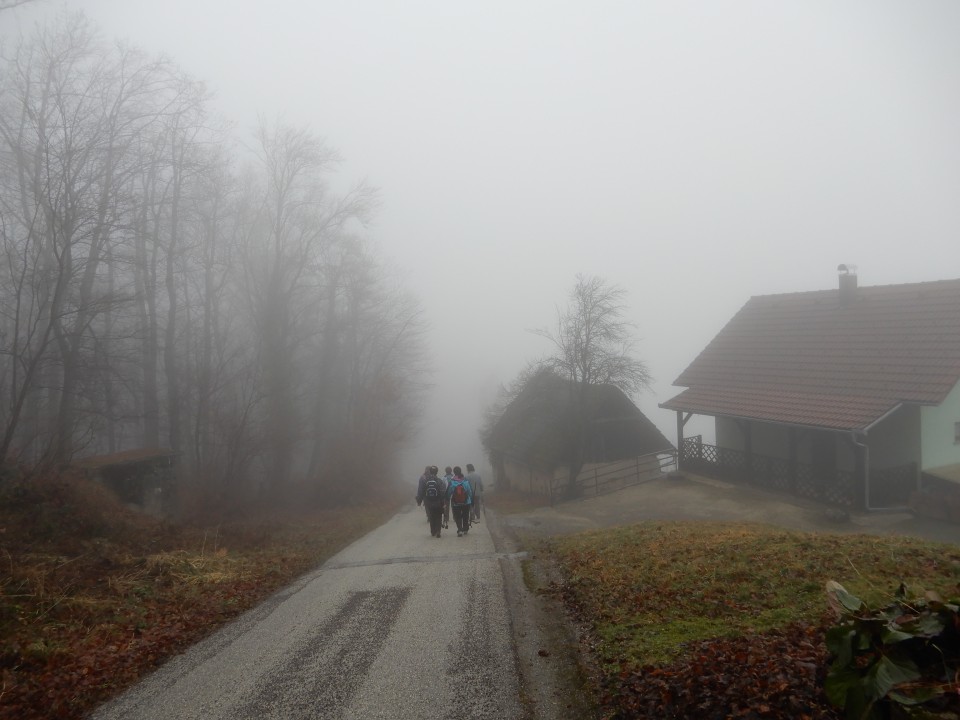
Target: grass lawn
[724,620]
[92,596]
[509,502]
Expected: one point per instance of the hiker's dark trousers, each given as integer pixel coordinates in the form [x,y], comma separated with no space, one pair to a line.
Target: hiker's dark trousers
[435,516]
[475,508]
[461,515]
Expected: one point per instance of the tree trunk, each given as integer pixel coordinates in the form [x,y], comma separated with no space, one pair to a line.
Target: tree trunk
[170,338]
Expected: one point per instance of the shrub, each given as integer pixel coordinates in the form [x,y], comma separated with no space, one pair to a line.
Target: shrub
[898,661]
[51,505]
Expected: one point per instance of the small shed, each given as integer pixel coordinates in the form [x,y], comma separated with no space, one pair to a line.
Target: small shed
[143,478]
[535,434]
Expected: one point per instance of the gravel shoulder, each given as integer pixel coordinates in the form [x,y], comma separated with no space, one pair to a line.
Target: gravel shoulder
[554,682]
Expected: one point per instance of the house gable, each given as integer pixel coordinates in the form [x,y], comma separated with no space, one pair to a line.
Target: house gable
[809,359]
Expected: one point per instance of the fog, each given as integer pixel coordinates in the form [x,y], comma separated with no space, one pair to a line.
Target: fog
[693,154]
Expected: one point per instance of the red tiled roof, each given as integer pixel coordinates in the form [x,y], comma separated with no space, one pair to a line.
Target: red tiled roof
[835,412]
[803,358]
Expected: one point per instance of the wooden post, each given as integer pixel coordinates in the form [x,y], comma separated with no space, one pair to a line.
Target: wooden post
[861,480]
[792,436]
[679,440]
[746,431]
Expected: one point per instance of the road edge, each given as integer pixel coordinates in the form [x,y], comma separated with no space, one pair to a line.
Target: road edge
[554,681]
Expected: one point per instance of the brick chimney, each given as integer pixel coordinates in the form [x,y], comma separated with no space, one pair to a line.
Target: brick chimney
[848,283]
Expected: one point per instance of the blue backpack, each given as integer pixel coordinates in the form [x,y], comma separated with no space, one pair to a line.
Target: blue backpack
[460,495]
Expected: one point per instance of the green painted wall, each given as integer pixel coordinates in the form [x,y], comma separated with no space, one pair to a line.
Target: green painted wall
[937,432]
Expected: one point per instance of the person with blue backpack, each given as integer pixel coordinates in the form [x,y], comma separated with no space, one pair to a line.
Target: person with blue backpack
[460,496]
[430,493]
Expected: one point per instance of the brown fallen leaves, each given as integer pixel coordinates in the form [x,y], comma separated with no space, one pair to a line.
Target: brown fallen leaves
[774,675]
[85,612]
[723,620]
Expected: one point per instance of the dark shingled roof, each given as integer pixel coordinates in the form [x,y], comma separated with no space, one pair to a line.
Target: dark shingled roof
[807,359]
[535,427]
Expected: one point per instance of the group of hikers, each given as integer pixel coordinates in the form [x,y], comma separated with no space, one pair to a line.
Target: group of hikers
[454,491]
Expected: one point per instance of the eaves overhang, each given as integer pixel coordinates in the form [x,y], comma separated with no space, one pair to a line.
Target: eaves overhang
[824,411]
[783,423]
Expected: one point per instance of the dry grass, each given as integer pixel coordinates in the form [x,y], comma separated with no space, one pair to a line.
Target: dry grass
[652,588]
[86,607]
[507,502]
[727,620]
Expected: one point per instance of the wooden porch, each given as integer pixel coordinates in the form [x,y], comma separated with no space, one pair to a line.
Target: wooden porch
[884,488]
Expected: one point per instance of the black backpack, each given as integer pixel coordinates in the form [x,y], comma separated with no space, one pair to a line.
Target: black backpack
[432,493]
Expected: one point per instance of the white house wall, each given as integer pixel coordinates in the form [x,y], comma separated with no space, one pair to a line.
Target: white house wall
[937,432]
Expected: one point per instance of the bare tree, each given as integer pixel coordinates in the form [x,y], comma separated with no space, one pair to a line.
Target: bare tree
[151,293]
[298,220]
[593,345]
[371,370]
[593,342]
[65,154]
[75,116]
[10,4]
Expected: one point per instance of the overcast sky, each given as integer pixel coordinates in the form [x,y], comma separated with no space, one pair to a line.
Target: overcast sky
[693,153]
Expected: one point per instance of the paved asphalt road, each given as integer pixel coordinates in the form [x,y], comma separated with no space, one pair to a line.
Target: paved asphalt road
[399,625]
[404,626]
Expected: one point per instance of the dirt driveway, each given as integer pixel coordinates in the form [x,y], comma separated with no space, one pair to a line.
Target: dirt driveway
[693,497]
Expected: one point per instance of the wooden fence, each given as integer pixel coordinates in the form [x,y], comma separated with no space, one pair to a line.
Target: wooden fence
[602,478]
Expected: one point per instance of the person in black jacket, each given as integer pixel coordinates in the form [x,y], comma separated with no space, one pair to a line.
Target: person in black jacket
[430,493]
[420,483]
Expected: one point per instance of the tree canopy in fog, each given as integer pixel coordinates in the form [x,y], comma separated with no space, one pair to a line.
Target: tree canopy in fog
[593,341]
[592,346]
[160,286]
